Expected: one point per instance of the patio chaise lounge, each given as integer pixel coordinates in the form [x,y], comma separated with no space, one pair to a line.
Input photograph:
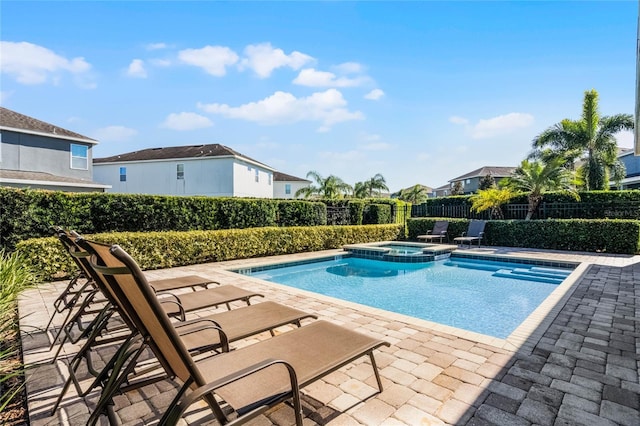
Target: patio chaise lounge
[474,233]
[208,333]
[249,380]
[439,232]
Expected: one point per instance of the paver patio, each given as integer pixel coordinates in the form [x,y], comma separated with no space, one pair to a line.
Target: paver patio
[576,360]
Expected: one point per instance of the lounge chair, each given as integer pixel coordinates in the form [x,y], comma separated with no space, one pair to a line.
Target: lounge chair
[439,232]
[208,333]
[474,233]
[81,298]
[251,379]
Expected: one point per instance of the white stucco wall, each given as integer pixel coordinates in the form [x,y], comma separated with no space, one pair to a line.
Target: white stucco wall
[214,177]
[244,181]
[280,192]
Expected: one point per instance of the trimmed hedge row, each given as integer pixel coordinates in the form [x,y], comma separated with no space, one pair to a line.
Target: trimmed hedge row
[153,250]
[595,235]
[28,213]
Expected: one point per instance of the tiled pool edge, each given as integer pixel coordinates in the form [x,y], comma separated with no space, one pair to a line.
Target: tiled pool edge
[523,339]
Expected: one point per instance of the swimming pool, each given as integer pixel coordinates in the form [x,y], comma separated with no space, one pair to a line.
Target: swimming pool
[486,297]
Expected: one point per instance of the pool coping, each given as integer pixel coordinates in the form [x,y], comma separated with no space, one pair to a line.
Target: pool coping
[523,339]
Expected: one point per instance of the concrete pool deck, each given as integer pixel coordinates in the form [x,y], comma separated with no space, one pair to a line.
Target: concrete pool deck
[574,361]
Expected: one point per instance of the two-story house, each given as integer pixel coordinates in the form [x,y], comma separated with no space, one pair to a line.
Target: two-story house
[209,170]
[632,174]
[286,186]
[39,155]
[471,181]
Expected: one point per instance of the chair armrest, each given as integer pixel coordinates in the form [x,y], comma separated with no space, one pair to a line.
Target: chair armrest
[207,324]
[176,411]
[464,234]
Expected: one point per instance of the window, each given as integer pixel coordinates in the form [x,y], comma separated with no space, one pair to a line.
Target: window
[257,175]
[180,171]
[468,181]
[123,174]
[287,188]
[79,157]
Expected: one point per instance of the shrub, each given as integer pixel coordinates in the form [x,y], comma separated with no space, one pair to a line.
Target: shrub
[594,235]
[376,213]
[301,213]
[153,250]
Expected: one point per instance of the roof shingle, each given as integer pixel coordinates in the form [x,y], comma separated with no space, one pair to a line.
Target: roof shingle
[15,120]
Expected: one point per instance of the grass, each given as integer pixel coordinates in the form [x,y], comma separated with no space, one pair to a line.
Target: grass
[15,276]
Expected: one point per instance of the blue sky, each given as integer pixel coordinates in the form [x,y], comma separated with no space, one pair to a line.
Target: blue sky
[420,92]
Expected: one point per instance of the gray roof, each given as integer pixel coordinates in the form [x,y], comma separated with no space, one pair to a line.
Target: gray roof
[495,171]
[19,175]
[176,152]
[283,177]
[14,120]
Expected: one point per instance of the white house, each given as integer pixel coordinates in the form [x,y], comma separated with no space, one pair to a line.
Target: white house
[39,155]
[286,186]
[211,170]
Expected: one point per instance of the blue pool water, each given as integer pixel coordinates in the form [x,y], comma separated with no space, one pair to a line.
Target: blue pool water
[491,298]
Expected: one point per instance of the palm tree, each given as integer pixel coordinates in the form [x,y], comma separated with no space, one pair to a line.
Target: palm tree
[360,190]
[375,185]
[491,199]
[417,194]
[590,138]
[330,187]
[536,178]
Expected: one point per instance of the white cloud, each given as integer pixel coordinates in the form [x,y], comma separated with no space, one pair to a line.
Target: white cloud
[136,69]
[114,134]
[349,68]
[186,121]
[213,59]
[458,120]
[376,146]
[491,127]
[263,59]
[327,107]
[156,46]
[374,95]
[313,78]
[341,156]
[160,62]
[33,64]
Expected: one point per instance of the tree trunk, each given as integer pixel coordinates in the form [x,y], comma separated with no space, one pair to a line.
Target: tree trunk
[534,200]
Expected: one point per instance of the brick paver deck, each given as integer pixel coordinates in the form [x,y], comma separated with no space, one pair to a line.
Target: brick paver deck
[576,363]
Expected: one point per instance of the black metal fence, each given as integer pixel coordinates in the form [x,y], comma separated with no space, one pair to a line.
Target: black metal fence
[614,210]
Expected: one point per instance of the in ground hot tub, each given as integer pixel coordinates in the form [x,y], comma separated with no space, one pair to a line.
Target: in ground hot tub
[400,251]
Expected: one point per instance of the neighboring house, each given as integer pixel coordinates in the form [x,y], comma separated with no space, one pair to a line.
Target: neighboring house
[39,155]
[471,181]
[441,191]
[211,170]
[286,186]
[632,175]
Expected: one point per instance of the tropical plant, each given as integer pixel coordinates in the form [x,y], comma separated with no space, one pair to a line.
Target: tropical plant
[15,276]
[591,139]
[375,185]
[536,178]
[331,187]
[417,194]
[487,182]
[457,188]
[360,190]
[491,199]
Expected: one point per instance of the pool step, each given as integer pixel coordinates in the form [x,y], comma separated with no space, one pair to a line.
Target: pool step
[470,265]
[538,273]
[511,273]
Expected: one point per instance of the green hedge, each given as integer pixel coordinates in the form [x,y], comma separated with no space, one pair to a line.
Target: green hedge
[376,213]
[593,235]
[153,250]
[31,213]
